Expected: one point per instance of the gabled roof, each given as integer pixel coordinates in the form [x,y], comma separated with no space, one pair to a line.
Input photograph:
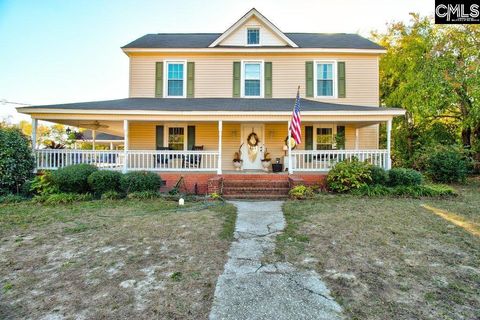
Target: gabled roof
[206,105]
[303,40]
[242,20]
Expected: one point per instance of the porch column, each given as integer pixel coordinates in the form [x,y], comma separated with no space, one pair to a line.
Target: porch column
[220,129]
[125,148]
[389,137]
[356,138]
[34,133]
[111,145]
[290,163]
[94,136]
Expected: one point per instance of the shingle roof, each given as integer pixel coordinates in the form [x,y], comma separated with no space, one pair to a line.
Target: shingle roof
[207,104]
[303,40]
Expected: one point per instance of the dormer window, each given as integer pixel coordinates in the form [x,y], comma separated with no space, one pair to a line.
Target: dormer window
[253,36]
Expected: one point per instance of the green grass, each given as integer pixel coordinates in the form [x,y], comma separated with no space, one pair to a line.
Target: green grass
[406,262]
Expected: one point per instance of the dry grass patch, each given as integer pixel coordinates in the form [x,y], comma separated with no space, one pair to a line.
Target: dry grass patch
[112,259]
[387,258]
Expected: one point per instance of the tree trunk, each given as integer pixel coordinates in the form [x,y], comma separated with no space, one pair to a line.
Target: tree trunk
[466,137]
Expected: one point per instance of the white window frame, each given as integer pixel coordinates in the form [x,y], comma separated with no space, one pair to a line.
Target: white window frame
[185,133]
[242,78]
[165,77]
[335,80]
[327,126]
[259,36]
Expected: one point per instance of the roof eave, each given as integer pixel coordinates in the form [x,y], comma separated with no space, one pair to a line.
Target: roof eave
[127,51]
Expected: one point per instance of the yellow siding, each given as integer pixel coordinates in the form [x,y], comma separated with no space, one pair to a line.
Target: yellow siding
[239,37]
[142,137]
[213,74]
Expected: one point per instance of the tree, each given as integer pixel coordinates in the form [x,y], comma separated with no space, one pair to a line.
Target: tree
[433,72]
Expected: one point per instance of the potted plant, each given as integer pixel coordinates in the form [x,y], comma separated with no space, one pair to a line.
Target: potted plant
[237,159]
[266,161]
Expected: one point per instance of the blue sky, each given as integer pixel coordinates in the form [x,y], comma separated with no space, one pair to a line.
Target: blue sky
[68,51]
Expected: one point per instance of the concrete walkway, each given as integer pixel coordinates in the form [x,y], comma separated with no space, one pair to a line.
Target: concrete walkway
[249,289]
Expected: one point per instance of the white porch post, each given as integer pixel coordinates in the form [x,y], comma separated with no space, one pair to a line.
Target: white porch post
[290,162]
[111,145]
[220,130]
[34,133]
[356,138]
[125,149]
[94,136]
[389,137]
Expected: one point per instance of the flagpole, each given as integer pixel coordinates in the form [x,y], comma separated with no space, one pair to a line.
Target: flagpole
[290,164]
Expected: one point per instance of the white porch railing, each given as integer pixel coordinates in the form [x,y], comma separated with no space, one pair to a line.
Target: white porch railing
[324,160]
[149,160]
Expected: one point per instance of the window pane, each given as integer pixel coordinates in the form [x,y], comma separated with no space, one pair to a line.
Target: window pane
[325,79]
[252,88]
[175,79]
[252,71]
[324,139]
[324,88]
[176,138]
[253,36]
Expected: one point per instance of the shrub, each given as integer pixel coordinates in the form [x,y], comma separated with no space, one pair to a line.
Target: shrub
[140,181]
[73,178]
[104,181]
[11,198]
[418,191]
[301,192]
[63,198]
[447,165]
[348,175]
[404,177]
[143,195]
[16,160]
[372,190]
[111,195]
[379,176]
[42,184]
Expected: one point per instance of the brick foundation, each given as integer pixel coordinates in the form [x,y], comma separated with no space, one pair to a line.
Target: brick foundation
[211,182]
[190,179]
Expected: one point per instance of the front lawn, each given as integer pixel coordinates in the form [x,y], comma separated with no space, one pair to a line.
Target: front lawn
[390,258]
[123,259]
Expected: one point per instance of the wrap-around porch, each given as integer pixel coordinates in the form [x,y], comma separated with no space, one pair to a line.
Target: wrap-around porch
[210,146]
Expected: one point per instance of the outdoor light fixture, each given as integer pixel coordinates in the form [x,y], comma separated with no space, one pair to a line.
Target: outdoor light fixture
[68,130]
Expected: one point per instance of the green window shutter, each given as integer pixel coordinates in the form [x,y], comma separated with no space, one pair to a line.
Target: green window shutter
[268,79]
[340,137]
[309,78]
[159,80]
[190,137]
[308,137]
[159,137]
[236,79]
[341,80]
[190,79]
[309,140]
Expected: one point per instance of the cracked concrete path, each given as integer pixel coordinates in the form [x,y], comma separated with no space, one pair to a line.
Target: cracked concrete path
[248,289]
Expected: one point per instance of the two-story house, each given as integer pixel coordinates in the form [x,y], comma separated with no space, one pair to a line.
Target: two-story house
[195,99]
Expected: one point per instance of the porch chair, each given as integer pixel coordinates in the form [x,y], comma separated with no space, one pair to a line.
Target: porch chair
[193,160]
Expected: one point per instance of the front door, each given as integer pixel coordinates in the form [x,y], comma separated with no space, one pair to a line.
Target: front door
[253,146]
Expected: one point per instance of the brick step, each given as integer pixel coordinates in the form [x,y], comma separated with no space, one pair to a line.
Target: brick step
[264,177]
[256,183]
[241,191]
[255,196]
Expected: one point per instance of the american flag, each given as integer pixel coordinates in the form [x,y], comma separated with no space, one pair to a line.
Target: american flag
[295,123]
